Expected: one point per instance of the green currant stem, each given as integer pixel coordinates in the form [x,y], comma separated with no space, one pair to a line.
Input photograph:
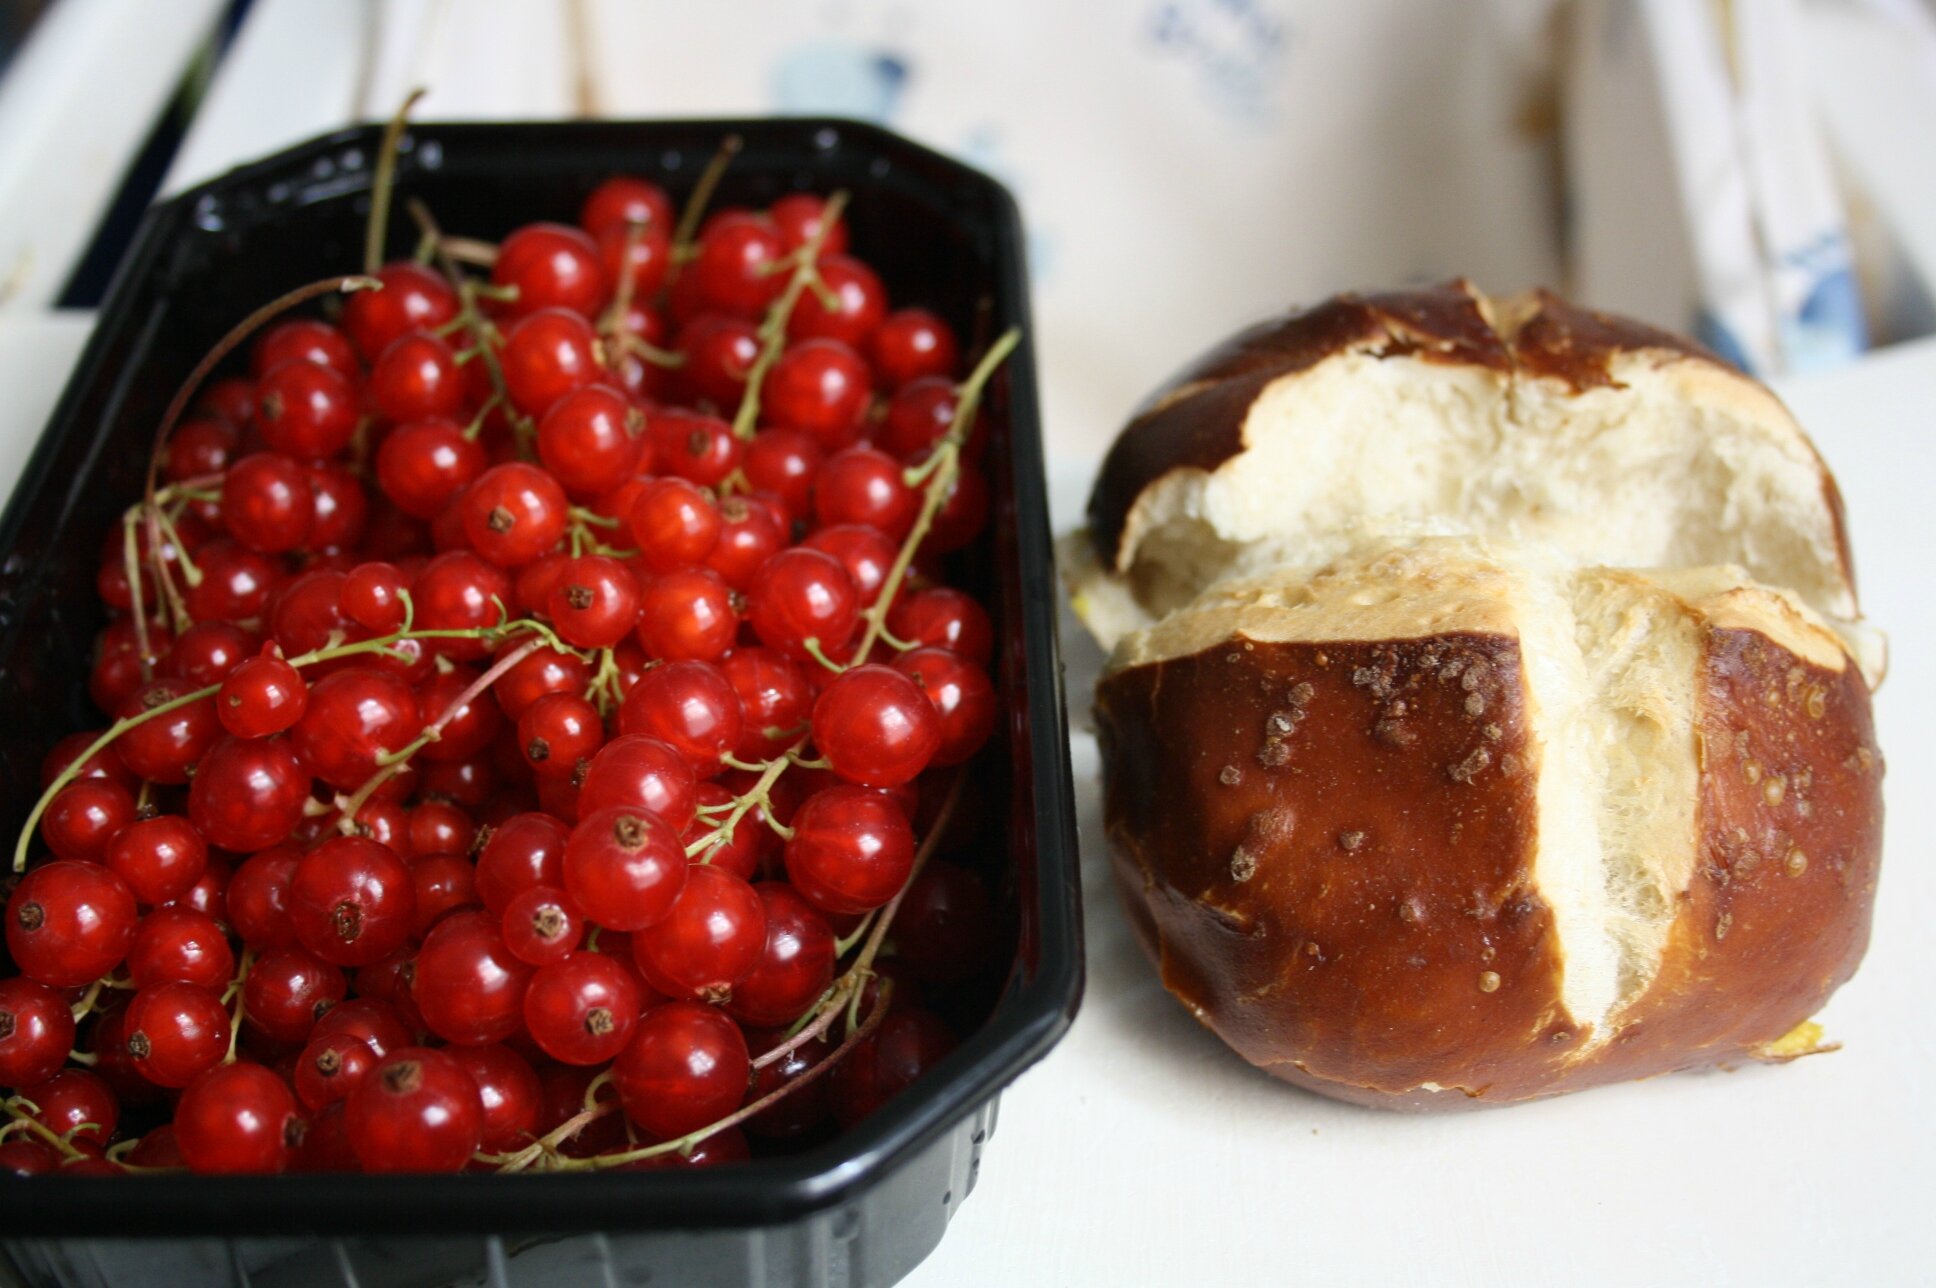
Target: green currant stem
[482,254]
[593,517]
[945,464]
[849,984]
[86,1004]
[386,643]
[613,324]
[476,427]
[118,1152]
[754,795]
[670,359]
[235,991]
[84,1057]
[773,327]
[38,1128]
[684,1144]
[392,763]
[480,326]
[383,181]
[811,645]
[227,345]
[702,195]
[843,945]
[548,1143]
[595,1086]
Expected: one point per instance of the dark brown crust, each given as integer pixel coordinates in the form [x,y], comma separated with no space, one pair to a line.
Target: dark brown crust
[1196,419]
[1390,935]
[1777,917]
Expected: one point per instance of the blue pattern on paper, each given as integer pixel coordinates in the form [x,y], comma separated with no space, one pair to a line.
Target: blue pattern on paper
[835,78]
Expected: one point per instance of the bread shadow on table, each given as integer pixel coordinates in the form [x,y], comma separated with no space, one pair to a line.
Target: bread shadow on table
[1160,1054]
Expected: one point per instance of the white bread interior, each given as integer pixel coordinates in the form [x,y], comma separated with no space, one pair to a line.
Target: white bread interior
[1611,660]
[1679,464]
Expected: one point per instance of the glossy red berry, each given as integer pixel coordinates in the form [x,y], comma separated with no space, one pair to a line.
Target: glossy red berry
[858,304]
[423,464]
[176,1031]
[159,858]
[712,938]
[468,985]
[238,1119]
[510,1092]
[877,726]
[417,378]
[591,438]
[459,591]
[796,964]
[525,850]
[804,1107]
[258,898]
[180,946]
[962,696]
[352,901]
[264,695]
[595,602]
[785,462]
[799,215]
[634,771]
[559,734]
[36,1032]
[866,553]
[775,699]
[304,409]
[542,925]
[236,581]
[582,1009]
[208,652]
[822,387]
[625,866]
[541,672]
[167,744]
[686,1066]
[800,595]
[643,255]
[622,200]
[687,614]
[331,1067]
[267,504]
[418,1110]
[288,990]
[551,266]
[291,340]
[247,793]
[863,485]
[718,353]
[674,523]
[689,705]
[84,817]
[699,449]
[547,354]
[412,299]
[910,344]
[908,1043]
[851,849]
[352,719]
[69,923]
[752,530]
[513,513]
[735,268]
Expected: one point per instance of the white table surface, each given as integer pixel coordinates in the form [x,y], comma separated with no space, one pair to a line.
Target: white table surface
[1141,1151]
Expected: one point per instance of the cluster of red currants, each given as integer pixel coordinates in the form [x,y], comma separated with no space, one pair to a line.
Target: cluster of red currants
[529,688]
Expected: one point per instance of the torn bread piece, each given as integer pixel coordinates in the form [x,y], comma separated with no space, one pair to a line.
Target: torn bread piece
[1488,710]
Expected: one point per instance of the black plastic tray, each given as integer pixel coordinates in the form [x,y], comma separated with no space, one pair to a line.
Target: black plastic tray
[868,1204]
